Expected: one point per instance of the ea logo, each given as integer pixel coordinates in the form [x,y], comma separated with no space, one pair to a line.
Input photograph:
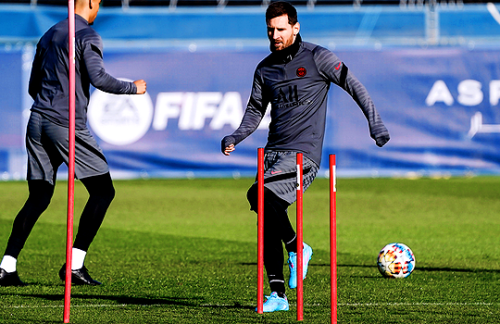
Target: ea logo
[120,119]
[301,72]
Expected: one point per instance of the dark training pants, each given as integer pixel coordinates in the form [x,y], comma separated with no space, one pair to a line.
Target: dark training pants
[280,191]
[101,193]
[277,229]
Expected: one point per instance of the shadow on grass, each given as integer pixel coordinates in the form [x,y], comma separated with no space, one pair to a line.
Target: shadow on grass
[448,269]
[419,268]
[119,300]
[312,265]
[235,305]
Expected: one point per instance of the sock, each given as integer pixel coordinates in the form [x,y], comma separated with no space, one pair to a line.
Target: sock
[78,256]
[8,263]
[277,284]
[291,246]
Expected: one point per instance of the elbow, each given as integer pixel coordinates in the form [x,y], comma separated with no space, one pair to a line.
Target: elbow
[98,79]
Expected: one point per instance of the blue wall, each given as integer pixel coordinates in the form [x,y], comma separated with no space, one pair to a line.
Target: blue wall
[440,103]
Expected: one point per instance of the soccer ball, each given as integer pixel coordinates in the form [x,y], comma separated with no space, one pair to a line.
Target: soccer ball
[396,260]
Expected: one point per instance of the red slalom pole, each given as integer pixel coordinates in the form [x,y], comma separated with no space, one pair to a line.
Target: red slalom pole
[71,157]
[300,240]
[260,230]
[333,239]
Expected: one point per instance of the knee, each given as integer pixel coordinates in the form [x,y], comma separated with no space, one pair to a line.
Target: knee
[270,199]
[39,202]
[110,194]
[40,195]
[252,197]
[105,194]
[100,187]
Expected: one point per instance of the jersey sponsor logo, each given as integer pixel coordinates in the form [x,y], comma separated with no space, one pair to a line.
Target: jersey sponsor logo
[301,72]
[288,94]
[288,97]
[276,172]
[338,66]
[120,119]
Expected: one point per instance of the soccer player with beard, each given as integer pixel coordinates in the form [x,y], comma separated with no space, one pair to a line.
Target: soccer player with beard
[294,79]
[47,137]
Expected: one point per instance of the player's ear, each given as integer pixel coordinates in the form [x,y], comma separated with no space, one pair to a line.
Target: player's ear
[296,28]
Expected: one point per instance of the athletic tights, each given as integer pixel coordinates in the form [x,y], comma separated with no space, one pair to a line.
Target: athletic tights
[277,230]
[101,193]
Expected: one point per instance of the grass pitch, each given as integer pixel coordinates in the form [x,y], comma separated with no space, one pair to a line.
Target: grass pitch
[184,251]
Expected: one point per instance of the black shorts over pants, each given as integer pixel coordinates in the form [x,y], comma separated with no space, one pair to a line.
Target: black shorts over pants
[47,145]
[280,176]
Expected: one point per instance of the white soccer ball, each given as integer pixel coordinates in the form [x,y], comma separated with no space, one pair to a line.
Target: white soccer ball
[396,260]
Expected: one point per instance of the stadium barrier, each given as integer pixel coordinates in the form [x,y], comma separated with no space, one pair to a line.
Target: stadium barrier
[439,102]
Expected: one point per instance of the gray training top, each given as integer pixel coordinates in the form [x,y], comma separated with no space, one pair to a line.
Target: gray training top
[49,81]
[296,81]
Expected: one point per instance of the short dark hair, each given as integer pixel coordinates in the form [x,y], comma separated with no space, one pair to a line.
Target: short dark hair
[280,8]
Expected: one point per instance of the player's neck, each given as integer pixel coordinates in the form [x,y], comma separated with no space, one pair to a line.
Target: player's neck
[82,13]
[287,54]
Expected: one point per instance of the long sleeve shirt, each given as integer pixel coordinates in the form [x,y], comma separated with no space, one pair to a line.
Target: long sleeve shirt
[295,81]
[49,81]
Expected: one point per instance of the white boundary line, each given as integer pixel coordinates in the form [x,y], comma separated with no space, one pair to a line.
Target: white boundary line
[252,305]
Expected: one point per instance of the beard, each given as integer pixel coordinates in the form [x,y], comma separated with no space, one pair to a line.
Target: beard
[276,47]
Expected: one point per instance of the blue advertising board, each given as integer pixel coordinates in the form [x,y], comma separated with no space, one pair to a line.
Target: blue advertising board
[440,106]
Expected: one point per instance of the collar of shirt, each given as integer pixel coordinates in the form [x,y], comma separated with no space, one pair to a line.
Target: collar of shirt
[77,16]
[287,54]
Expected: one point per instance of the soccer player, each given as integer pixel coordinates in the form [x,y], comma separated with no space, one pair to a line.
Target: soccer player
[47,137]
[294,79]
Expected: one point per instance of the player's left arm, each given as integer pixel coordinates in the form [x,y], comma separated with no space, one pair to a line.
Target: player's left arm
[333,69]
[92,51]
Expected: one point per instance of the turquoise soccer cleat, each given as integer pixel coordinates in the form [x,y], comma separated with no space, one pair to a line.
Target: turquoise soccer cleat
[275,303]
[292,265]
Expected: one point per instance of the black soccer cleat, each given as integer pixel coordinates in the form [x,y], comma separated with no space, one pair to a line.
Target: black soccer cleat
[10,279]
[78,277]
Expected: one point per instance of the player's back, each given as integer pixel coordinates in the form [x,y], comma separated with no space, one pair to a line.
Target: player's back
[49,83]
[52,52]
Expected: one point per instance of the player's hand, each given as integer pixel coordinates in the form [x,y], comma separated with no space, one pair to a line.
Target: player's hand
[141,86]
[227,145]
[229,149]
[382,140]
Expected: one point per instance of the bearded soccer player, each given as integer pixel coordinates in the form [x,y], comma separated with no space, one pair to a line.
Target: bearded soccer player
[294,79]
[47,137]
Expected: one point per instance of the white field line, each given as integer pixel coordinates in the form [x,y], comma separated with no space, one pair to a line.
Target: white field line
[252,305]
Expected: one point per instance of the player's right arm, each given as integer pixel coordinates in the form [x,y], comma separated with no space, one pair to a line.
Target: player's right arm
[255,111]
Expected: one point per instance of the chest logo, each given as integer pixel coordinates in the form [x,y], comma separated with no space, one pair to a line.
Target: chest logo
[301,72]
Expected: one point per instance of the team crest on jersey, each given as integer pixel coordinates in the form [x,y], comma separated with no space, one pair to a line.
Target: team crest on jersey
[301,72]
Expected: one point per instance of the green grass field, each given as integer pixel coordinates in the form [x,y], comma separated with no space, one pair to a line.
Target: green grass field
[184,251]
